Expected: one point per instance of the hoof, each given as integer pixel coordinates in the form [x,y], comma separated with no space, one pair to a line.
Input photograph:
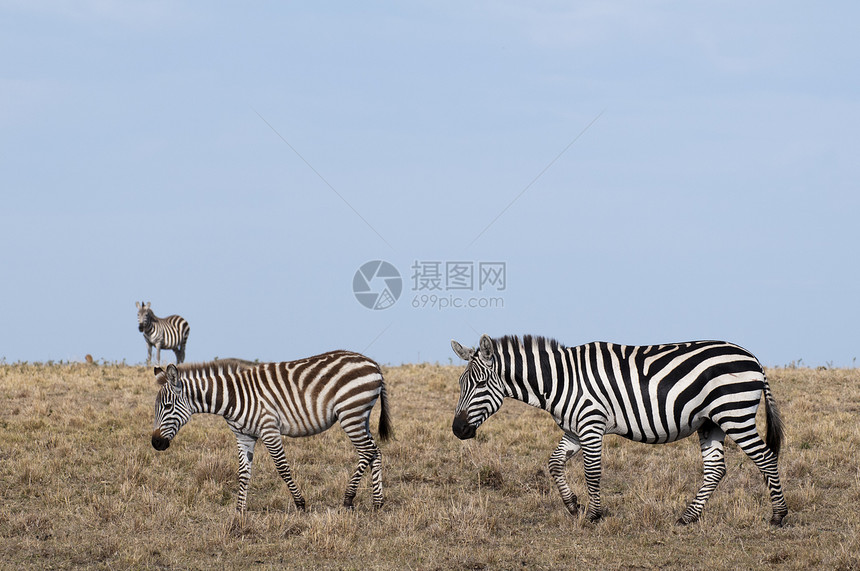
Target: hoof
[776,520]
[687,519]
[594,517]
[573,508]
[300,505]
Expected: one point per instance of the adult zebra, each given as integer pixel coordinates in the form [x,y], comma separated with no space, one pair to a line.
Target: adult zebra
[170,332]
[268,400]
[654,394]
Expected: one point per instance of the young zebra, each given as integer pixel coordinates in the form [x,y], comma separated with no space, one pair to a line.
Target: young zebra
[268,400]
[654,394]
[170,332]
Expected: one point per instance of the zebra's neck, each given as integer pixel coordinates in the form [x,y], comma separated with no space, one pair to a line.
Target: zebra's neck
[151,327]
[212,387]
[533,369]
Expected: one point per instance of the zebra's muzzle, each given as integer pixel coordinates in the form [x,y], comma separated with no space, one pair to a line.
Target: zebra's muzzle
[462,429]
[159,442]
[140,327]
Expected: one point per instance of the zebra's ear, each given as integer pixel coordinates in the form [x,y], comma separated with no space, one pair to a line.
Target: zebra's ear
[462,352]
[486,347]
[137,304]
[159,375]
[173,378]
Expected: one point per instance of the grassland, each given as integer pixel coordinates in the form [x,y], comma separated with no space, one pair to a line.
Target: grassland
[81,486]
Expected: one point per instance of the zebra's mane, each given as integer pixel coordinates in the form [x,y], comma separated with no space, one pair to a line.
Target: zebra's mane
[231,365]
[228,364]
[527,340]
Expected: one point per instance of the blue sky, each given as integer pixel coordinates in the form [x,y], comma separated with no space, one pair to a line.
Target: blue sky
[647,172]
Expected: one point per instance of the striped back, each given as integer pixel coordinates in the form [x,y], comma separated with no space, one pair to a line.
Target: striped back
[661,393]
[305,396]
[298,398]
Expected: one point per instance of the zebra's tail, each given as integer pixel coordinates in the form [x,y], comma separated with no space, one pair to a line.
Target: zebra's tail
[386,431]
[775,428]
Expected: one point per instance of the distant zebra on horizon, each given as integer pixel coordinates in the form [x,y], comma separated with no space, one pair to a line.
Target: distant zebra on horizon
[169,332]
[653,394]
[265,401]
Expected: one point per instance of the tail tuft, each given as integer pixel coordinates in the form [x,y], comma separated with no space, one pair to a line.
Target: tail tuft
[775,426]
[386,431]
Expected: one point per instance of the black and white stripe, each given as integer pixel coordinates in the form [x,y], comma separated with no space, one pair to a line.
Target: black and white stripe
[268,400]
[653,394]
[170,332]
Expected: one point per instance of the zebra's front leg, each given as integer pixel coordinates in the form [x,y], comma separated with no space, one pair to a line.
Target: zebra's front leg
[148,353]
[592,456]
[565,450]
[246,445]
[275,445]
[711,440]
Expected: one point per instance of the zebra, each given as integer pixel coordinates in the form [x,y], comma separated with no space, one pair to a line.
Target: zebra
[169,332]
[267,400]
[652,393]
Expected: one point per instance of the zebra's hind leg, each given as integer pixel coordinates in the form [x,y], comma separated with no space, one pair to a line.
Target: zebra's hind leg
[711,439]
[565,450]
[275,446]
[365,458]
[376,480]
[748,439]
[180,352]
[368,455]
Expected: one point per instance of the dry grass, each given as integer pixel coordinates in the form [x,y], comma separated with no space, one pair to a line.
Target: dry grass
[82,487]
